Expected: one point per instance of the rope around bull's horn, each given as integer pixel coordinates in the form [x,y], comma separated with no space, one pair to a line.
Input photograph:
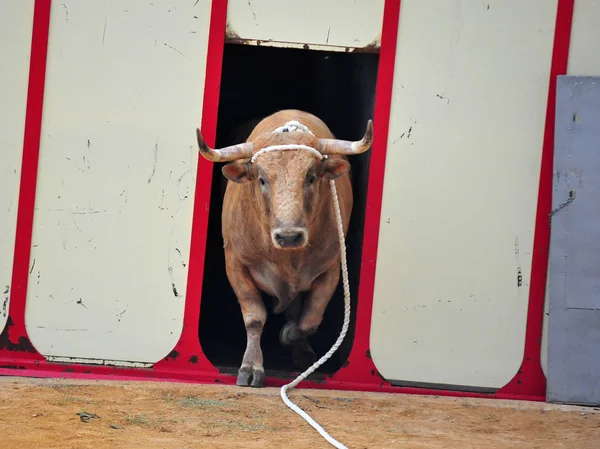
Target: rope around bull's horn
[295,126]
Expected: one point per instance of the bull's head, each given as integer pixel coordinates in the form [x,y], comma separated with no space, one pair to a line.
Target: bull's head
[288,183]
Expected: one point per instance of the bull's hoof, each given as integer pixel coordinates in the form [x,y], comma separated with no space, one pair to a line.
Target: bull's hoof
[249,376]
[290,334]
[303,356]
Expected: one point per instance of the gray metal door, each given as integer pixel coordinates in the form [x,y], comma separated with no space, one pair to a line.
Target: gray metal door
[574,322]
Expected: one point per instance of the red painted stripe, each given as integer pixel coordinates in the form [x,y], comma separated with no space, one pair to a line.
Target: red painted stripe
[29,166]
[360,367]
[30,369]
[530,378]
[189,344]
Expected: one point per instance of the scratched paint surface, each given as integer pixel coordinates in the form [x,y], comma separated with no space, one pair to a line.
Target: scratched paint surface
[460,194]
[338,23]
[584,60]
[117,170]
[16,19]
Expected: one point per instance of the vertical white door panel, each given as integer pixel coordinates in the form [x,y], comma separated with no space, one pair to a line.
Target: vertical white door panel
[460,194]
[116,180]
[335,23]
[16,20]
[584,52]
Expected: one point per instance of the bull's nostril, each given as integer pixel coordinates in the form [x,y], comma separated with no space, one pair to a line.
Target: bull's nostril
[289,238]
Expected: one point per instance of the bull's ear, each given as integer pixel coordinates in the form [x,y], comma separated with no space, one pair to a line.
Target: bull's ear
[237,171]
[334,168]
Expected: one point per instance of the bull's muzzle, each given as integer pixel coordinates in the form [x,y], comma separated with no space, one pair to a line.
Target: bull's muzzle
[289,237]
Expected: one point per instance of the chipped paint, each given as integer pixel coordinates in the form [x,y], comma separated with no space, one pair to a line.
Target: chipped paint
[172,355]
[5,302]
[102,362]
[232,37]
[22,345]
[230,32]
[370,48]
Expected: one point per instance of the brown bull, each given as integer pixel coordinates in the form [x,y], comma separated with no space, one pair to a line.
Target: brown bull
[279,229]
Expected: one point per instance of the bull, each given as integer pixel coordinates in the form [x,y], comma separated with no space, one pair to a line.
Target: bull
[279,229]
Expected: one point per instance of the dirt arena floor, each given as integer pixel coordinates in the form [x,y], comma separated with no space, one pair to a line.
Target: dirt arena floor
[48,414]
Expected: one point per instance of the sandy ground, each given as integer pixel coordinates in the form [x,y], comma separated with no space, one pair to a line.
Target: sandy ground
[86,414]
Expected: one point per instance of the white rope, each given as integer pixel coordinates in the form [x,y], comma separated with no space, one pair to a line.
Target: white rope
[295,126]
[292,126]
[284,147]
[340,338]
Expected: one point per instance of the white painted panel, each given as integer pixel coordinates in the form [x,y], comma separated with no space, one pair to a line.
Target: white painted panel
[584,51]
[16,20]
[117,165]
[336,23]
[460,193]
[584,60]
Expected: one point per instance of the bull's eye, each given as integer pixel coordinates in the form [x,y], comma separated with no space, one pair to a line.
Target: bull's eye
[262,181]
[312,179]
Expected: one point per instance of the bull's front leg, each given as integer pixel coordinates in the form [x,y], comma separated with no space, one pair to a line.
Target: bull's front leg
[251,372]
[295,332]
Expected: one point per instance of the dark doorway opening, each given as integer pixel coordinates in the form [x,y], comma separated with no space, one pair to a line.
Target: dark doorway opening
[338,87]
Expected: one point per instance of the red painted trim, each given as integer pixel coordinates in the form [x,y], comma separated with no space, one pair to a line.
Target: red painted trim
[530,378]
[15,329]
[360,367]
[189,348]
[30,369]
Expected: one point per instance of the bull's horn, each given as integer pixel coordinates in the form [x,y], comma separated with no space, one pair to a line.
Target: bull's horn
[346,147]
[231,153]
